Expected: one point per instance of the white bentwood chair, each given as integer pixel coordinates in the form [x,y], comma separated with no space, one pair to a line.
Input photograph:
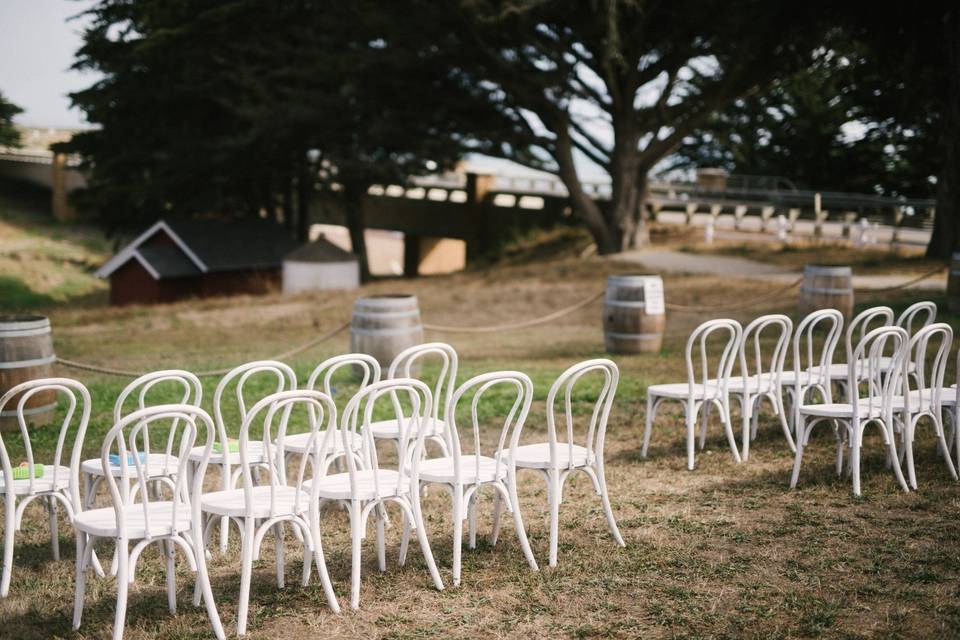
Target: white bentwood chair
[760,376]
[403,366]
[274,374]
[925,398]
[160,467]
[814,343]
[857,328]
[172,521]
[57,483]
[556,460]
[299,443]
[464,474]
[701,391]
[365,490]
[873,406]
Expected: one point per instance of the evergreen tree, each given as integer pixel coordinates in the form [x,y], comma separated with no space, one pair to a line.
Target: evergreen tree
[9,135]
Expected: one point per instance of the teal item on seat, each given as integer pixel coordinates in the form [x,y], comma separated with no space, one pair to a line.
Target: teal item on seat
[115,459]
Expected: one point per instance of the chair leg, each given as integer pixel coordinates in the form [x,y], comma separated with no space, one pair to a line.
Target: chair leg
[897,471]
[80,579]
[356,535]
[246,572]
[497,511]
[648,424]
[8,531]
[54,529]
[224,520]
[280,556]
[472,521]
[784,423]
[856,441]
[798,458]
[728,428]
[170,551]
[746,410]
[416,515]
[943,448]
[909,430]
[407,526]
[607,509]
[554,497]
[518,519]
[691,418]
[203,584]
[457,531]
[704,422]
[381,539]
[321,563]
[123,587]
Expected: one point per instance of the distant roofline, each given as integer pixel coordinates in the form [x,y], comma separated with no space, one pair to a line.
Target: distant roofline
[130,251]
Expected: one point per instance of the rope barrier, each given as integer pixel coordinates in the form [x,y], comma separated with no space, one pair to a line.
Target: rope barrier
[516,325]
[83,366]
[906,284]
[680,308]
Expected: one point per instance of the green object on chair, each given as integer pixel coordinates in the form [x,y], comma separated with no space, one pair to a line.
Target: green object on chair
[23,471]
[233,446]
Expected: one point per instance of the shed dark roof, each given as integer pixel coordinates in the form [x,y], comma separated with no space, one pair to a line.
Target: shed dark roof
[231,245]
[168,260]
[320,250]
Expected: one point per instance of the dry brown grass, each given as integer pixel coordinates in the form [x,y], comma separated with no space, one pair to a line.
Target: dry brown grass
[724,551]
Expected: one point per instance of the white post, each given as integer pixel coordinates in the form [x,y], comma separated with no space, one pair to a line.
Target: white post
[709,233]
[782,228]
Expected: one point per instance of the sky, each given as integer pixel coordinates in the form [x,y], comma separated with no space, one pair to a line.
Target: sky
[37,44]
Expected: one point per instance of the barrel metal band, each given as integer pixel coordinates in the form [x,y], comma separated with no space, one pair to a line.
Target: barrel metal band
[385,332]
[630,304]
[36,362]
[830,292]
[29,412]
[634,336]
[23,333]
[389,314]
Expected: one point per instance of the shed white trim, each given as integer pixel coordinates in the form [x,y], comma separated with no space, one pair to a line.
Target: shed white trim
[130,251]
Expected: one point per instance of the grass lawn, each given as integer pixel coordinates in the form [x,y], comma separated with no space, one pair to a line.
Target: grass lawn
[724,551]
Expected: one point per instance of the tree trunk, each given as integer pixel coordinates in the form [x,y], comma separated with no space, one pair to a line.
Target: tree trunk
[583,205]
[353,209]
[946,226]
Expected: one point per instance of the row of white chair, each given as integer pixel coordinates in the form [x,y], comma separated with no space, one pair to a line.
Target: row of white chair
[914,342]
[158,495]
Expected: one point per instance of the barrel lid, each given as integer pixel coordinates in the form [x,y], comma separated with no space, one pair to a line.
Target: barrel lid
[18,322]
[828,268]
[388,300]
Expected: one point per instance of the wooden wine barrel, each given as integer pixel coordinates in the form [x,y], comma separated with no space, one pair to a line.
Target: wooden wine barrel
[826,287]
[953,284]
[633,314]
[385,325]
[26,353]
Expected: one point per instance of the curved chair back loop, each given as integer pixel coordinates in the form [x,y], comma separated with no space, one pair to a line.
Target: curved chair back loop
[359,415]
[366,364]
[597,427]
[124,443]
[512,422]
[275,410]
[759,373]
[76,394]
[862,324]
[700,337]
[283,376]
[402,367]
[191,393]
[871,386]
[812,357]
[928,352]
[922,314]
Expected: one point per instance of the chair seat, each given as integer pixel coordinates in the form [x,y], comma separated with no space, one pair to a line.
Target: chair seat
[103,522]
[254,454]
[233,502]
[337,486]
[297,443]
[843,410]
[537,456]
[40,485]
[441,470]
[390,429]
[920,400]
[158,464]
[683,390]
[789,377]
[948,396]
[763,383]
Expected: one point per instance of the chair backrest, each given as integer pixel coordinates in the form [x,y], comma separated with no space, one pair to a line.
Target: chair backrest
[862,324]
[596,431]
[76,394]
[359,414]
[928,373]
[699,361]
[282,376]
[323,374]
[182,383]
[920,313]
[512,422]
[125,442]
[812,359]
[275,410]
[752,361]
[402,367]
[872,385]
